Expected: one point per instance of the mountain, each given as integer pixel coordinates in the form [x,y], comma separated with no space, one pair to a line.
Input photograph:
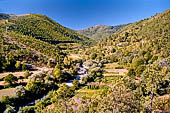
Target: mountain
[147,40]
[35,39]
[43,28]
[41,33]
[4,16]
[99,32]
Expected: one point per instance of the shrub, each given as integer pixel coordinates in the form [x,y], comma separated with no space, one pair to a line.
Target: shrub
[137,62]
[24,67]
[10,79]
[27,109]
[10,109]
[119,67]
[27,74]
[76,84]
[131,72]
[18,65]
[20,91]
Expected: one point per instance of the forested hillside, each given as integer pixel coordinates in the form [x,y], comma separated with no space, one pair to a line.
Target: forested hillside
[34,39]
[147,37]
[40,33]
[43,28]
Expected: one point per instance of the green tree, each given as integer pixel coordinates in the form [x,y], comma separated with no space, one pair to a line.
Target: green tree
[151,79]
[131,73]
[10,79]
[34,87]
[67,62]
[57,73]
[76,84]
[18,65]
[61,98]
[137,62]
[27,74]
[24,67]
[49,64]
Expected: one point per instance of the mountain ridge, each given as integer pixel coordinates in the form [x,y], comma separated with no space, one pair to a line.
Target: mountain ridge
[99,32]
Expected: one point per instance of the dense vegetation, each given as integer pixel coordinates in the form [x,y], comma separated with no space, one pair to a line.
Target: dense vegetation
[14,56]
[43,28]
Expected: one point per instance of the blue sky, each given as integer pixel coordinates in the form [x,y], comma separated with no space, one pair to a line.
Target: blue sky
[79,14]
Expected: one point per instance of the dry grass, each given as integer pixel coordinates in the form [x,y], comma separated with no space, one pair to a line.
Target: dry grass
[7,92]
[120,71]
[110,65]
[74,56]
[110,74]
[89,93]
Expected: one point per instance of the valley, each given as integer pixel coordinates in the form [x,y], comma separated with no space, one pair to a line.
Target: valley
[46,67]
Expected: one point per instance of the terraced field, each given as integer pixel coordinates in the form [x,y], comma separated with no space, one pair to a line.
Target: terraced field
[7,92]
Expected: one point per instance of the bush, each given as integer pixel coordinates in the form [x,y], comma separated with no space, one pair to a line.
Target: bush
[18,65]
[137,62]
[93,87]
[84,80]
[113,58]
[27,74]
[113,50]
[28,109]
[140,70]
[10,109]
[10,79]
[76,84]
[24,67]
[20,91]
[119,67]
[93,56]
[131,72]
